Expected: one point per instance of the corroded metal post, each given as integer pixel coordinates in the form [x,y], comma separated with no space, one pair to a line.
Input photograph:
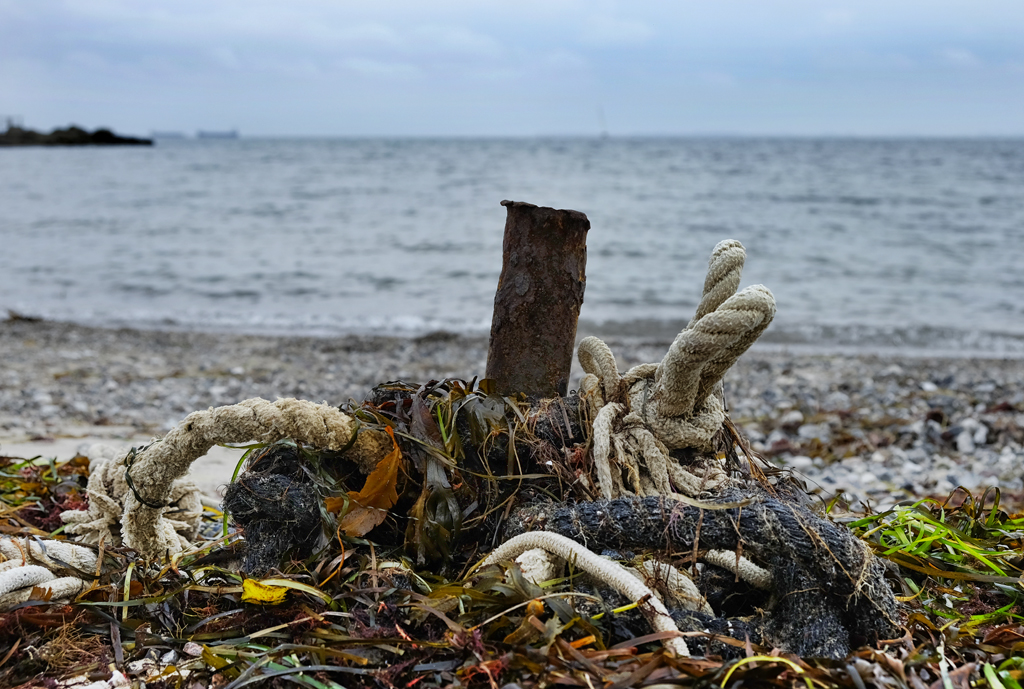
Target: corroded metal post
[537,304]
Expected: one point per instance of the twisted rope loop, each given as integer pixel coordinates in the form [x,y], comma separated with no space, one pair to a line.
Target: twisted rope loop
[156,468]
[604,570]
[639,417]
[152,510]
[110,483]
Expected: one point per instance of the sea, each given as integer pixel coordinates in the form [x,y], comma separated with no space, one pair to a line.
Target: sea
[869,245]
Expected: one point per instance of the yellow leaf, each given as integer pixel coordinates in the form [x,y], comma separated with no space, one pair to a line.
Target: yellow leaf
[298,586]
[369,506]
[257,592]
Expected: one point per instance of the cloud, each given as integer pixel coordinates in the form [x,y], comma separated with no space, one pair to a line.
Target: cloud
[565,60]
[454,40]
[719,79]
[838,16]
[646,60]
[369,33]
[604,30]
[225,57]
[369,67]
[961,57]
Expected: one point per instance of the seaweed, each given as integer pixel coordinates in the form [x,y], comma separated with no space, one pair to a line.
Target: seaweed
[314,606]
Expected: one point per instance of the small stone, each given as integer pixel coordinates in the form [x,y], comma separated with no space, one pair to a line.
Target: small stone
[965,442]
[791,419]
[193,649]
[811,431]
[83,682]
[929,386]
[753,433]
[800,463]
[981,435]
[836,401]
[141,667]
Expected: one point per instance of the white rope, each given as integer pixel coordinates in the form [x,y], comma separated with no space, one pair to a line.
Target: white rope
[608,572]
[156,468]
[596,358]
[702,353]
[655,408]
[108,490]
[56,556]
[677,585]
[723,279]
[31,564]
[56,591]
[751,311]
[20,577]
[539,565]
[743,568]
[167,515]
[602,446]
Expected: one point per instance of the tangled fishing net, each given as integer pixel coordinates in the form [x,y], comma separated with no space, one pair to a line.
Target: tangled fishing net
[639,467]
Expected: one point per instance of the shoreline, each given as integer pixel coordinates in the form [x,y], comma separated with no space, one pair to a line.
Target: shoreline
[907,342]
[879,427]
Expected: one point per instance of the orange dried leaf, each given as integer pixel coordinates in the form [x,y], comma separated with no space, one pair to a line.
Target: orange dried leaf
[368,507]
[335,505]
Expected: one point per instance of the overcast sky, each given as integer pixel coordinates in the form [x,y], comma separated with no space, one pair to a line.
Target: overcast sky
[522,67]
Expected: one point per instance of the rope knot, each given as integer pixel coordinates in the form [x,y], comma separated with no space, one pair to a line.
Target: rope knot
[640,416]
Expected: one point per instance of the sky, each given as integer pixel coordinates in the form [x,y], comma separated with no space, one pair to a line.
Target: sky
[517,68]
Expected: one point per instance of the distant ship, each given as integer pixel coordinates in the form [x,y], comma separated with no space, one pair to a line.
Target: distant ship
[232,134]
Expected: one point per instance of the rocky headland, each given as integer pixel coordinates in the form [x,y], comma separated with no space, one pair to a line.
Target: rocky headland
[70,136]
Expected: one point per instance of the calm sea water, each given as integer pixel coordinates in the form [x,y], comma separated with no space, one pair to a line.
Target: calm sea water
[865,243]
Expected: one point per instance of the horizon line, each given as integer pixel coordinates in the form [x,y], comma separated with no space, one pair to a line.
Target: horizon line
[177,135]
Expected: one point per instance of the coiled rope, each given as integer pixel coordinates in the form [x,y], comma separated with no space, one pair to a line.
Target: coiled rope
[641,416]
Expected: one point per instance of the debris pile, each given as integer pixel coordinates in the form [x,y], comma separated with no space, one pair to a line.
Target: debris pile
[446,534]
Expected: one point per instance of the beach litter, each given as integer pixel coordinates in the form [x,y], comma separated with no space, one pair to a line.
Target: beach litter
[449,534]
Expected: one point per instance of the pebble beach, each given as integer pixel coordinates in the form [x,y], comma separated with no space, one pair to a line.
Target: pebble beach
[876,428]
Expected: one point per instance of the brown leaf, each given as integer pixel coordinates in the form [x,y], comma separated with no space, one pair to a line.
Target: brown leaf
[360,520]
[1005,635]
[369,506]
